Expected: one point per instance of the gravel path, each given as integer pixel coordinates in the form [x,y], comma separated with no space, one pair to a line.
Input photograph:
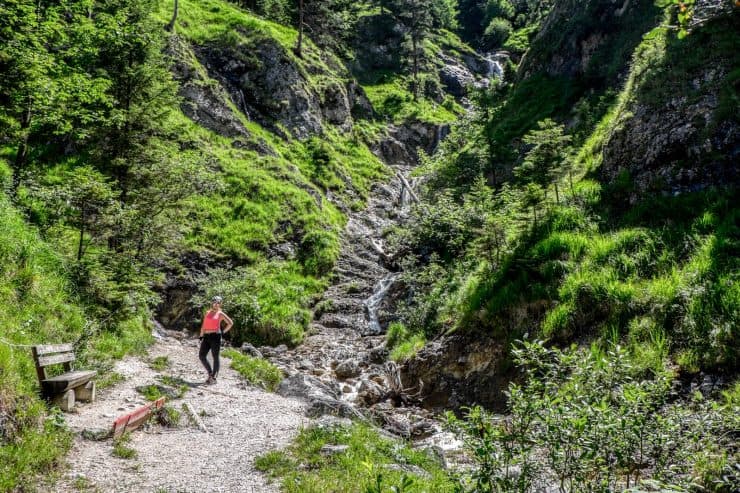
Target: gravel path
[242,422]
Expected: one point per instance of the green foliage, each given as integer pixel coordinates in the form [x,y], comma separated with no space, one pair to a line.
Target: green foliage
[168,417]
[160,363]
[267,302]
[589,420]
[256,371]
[497,32]
[370,462]
[122,448]
[30,441]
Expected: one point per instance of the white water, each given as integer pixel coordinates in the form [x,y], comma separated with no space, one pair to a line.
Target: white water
[495,69]
[372,304]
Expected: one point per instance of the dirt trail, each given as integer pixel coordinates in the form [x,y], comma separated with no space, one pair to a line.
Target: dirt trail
[242,422]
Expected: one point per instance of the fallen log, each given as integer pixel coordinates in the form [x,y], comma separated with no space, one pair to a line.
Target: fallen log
[406,184]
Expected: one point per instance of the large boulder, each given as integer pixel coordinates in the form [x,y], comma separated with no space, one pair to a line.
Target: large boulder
[459,370]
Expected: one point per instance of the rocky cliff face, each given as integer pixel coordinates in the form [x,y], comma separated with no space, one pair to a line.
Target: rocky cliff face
[678,130]
[592,39]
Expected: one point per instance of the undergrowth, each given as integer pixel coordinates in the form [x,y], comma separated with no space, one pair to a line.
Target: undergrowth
[256,371]
[369,463]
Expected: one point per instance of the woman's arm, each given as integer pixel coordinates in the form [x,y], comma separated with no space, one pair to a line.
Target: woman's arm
[229,322]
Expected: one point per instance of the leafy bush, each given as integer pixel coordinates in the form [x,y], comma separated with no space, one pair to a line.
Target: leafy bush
[497,32]
[588,420]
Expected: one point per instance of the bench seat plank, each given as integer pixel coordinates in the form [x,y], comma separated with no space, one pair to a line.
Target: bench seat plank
[66,381]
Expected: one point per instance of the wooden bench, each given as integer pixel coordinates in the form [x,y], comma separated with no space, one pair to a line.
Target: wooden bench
[71,385]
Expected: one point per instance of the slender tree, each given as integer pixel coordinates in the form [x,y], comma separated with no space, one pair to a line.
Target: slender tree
[171,25]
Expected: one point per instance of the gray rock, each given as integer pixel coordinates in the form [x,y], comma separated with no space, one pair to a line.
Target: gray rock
[328,449]
[456,79]
[96,434]
[250,350]
[322,406]
[370,392]
[347,369]
[306,386]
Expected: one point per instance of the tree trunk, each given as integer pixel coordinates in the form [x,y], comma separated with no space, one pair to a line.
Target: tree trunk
[82,235]
[22,154]
[299,46]
[171,25]
[570,179]
[557,193]
[416,67]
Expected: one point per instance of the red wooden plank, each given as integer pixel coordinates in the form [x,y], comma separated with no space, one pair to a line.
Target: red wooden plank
[136,418]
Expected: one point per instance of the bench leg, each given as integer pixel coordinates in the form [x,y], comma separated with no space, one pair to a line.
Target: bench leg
[85,393]
[65,401]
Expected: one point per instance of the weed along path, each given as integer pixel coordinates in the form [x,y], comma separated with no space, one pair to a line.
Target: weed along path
[241,422]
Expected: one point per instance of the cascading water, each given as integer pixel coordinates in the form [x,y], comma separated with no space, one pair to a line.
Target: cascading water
[373,303]
[495,69]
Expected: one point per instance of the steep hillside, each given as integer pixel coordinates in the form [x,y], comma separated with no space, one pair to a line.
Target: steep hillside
[145,170]
[626,232]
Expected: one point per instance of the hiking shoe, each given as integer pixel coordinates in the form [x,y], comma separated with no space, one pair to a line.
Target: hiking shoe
[210,380]
[213,380]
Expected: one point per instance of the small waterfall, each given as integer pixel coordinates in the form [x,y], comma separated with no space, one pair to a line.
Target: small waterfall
[372,304]
[495,69]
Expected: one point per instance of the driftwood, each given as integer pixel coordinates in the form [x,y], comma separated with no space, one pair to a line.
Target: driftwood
[194,417]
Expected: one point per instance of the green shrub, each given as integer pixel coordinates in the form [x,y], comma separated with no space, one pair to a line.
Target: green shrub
[588,420]
[122,448]
[256,371]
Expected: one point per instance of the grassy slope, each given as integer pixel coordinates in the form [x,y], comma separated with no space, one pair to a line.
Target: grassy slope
[39,307]
[268,200]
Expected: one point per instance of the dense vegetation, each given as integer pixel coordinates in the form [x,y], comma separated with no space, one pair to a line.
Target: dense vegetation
[110,188]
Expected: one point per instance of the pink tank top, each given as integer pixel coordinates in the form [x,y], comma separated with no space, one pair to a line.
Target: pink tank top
[212,321]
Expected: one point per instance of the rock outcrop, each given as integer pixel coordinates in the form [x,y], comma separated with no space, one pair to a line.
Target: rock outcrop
[459,370]
[678,130]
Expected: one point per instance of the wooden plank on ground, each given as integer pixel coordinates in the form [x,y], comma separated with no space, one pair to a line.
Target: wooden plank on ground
[53,348]
[134,419]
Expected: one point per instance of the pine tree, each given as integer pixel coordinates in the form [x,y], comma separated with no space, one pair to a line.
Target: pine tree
[545,162]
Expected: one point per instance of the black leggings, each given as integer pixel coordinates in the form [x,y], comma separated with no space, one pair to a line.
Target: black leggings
[212,343]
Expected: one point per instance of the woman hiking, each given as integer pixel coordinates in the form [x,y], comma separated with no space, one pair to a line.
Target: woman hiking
[210,337]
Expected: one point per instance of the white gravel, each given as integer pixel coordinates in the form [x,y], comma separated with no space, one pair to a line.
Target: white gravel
[242,421]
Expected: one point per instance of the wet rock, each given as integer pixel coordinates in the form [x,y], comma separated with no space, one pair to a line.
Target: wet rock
[378,355]
[458,370]
[250,350]
[306,386]
[369,392]
[347,369]
[456,79]
[321,406]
